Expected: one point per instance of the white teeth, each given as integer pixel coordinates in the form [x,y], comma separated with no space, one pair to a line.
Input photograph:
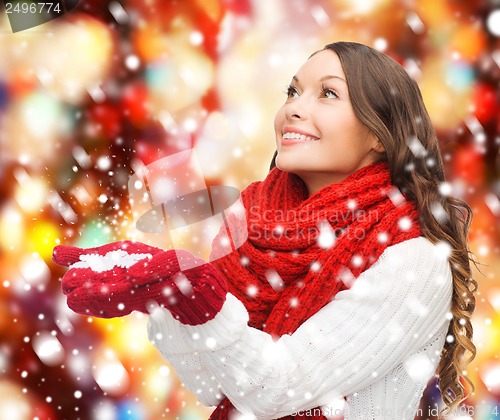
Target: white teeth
[298,137]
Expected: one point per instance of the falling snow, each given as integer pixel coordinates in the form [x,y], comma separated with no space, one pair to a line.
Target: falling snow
[252,291]
[315,266]
[183,283]
[274,280]
[326,238]
[416,147]
[382,237]
[395,196]
[439,212]
[404,223]
[418,367]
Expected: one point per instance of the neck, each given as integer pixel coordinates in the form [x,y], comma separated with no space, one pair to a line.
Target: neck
[315,181]
[318,180]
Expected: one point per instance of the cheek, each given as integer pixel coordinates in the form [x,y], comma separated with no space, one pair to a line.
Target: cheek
[278,120]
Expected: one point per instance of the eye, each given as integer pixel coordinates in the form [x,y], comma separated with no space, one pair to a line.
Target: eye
[330,93]
[291,92]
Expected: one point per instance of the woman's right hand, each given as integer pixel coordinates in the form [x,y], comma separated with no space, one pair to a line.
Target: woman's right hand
[117,278]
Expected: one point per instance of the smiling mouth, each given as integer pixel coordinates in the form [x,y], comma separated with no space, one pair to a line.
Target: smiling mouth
[298,137]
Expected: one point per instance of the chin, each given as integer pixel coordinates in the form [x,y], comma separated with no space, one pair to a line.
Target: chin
[293,166]
[284,165]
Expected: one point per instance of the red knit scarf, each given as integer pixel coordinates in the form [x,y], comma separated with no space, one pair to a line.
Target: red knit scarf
[301,251]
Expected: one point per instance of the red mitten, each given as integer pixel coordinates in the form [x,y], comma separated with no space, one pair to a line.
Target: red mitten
[115,279]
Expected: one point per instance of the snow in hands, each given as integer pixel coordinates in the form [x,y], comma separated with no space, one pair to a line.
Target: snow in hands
[112,259]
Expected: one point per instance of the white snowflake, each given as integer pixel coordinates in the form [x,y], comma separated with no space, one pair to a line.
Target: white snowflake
[382,237]
[404,223]
[183,283]
[445,188]
[279,229]
[443,250]
[315,266]
[48,348]
[418,367]
[326,238]
[211,342]
[438,212]
[252,291]
[357,260]
[346,276]
[274,280]
[395,196]
[493,203]
[416,147]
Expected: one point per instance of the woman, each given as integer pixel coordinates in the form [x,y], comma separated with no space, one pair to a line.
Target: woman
[354,284]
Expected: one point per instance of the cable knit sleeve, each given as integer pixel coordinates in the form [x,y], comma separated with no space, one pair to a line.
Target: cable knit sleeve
[392,310]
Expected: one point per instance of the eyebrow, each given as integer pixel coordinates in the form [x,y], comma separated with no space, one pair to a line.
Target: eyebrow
[328,76]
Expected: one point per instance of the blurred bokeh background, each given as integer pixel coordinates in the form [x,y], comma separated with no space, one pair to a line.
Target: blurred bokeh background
[88,99]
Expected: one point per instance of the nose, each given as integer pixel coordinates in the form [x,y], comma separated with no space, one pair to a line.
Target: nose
[296,109]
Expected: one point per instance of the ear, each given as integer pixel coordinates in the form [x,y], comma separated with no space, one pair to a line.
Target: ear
[376,144]
[379,147]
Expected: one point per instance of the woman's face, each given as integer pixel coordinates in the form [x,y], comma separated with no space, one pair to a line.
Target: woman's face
[318,137]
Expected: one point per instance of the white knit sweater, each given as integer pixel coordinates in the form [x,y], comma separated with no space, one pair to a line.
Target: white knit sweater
[376,344]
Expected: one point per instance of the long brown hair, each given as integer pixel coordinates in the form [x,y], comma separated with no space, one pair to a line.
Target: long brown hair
[389,103]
